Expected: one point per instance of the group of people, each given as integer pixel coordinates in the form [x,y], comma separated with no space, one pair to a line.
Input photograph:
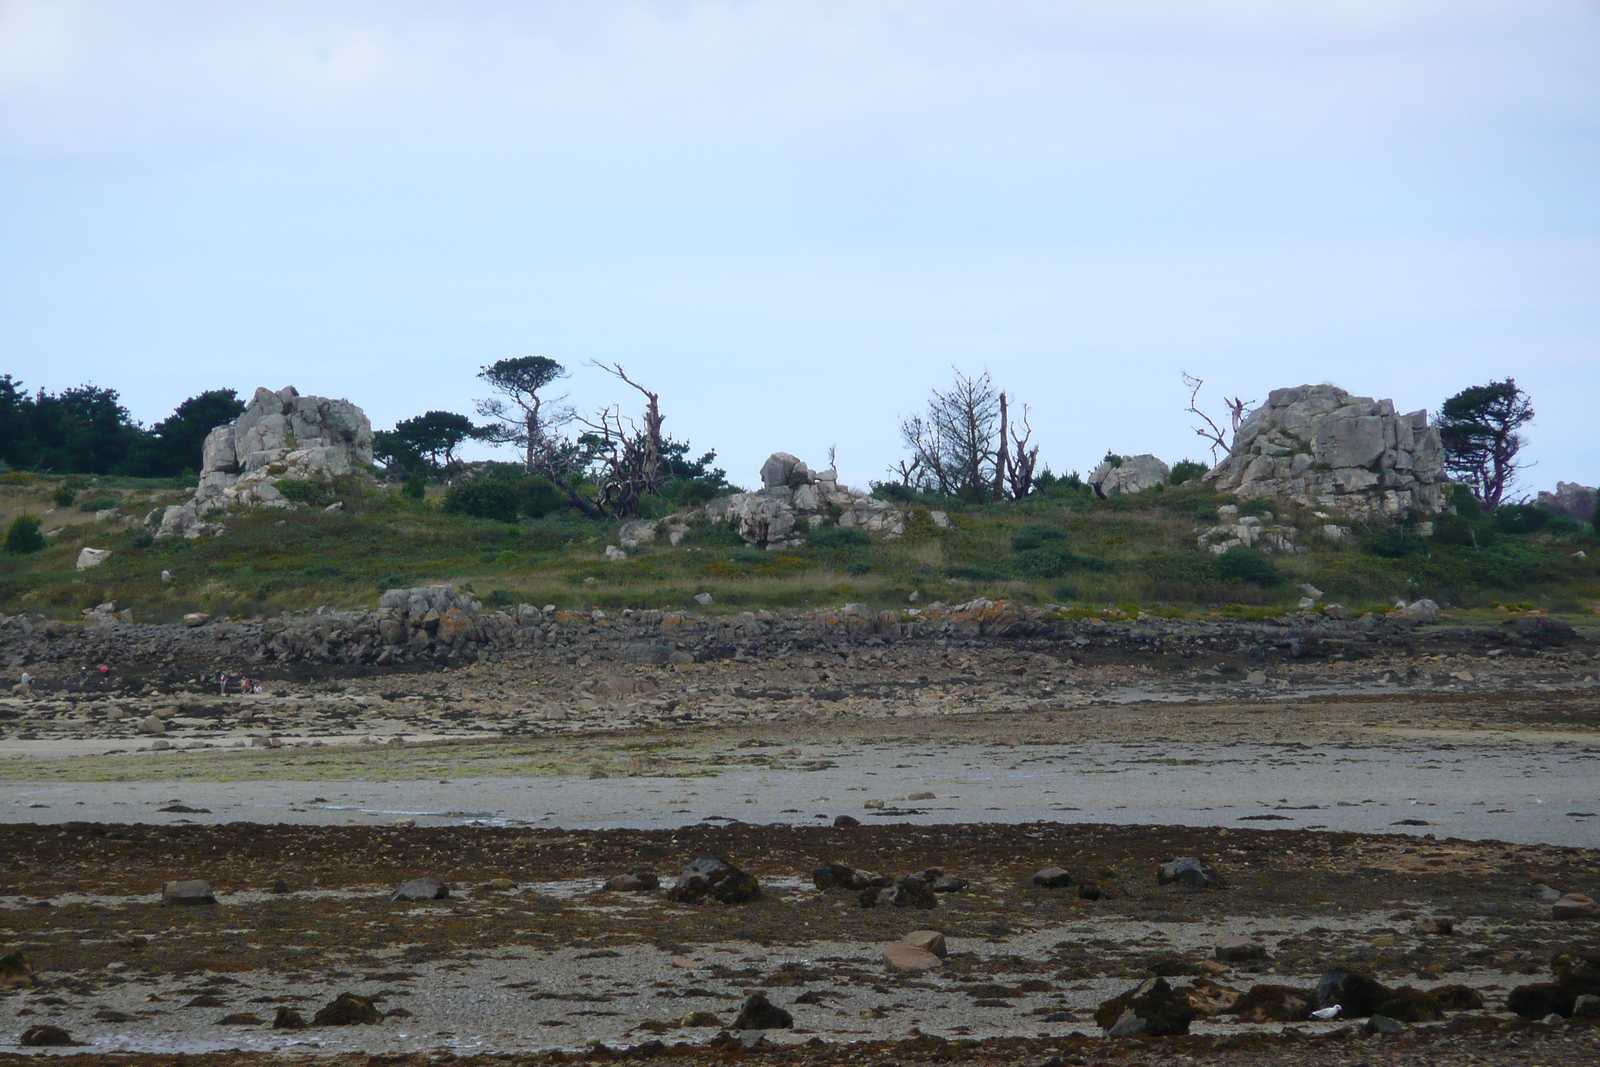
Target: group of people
[246,686]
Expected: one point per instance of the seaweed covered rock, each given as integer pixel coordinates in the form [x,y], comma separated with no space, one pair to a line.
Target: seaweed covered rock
[1153,1007]
[1409,1005]
[912,891]
[347,1009]
[1357,993]
[1539,999]
[1275,1003]
[1457,997]
[759,1013]
[842,876]
[714,877]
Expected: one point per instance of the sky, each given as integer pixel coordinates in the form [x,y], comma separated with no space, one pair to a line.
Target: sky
[793,220]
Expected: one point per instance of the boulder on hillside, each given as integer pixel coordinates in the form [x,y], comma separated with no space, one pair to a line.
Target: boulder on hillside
[1128,474]
[1570,499]
[1320,446]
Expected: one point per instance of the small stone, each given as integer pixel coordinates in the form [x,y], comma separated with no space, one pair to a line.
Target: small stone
[404,821]
[927,940]
[45,1036]
[712,876]
[846,820]
[908,892]
[500,885]
[1052,878]
[289,1019]
[702,1018]
[1185,870]
[1434,924]
[922,796]
[904,957]
[1457,997]
[347,1009]
[241,1018]
[1575,906]
[946,883]
[420,889]
[193,891]
[632,882]
[1543,893]
[1586,1007]
[1237,948]
[196,618]
[759,1013]
[16,971]
[1382,1024]
[703,599]
[152,725]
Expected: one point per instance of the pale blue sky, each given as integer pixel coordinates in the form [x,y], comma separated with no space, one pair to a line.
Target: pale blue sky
[792,218]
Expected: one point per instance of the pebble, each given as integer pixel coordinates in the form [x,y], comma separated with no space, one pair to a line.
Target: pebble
[419,889]
[1052,878]
[1575,906]
[192,891]
[759,1013]
[1185,870]
[1238,948]
[905,957]
[927,940]
[1434,924]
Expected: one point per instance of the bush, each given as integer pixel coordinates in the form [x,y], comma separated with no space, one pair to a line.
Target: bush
[99,503]
[1458,530]
[840,537]
[483,498]
[1465,502]
[1242,564]
[538,497]
[974,574]
[1394,542]
[1055,561]
[24,535]
[1520,518]
[141,539]
[64,497]
[1185,470]
[415,487]
[1031,537]
[301,491]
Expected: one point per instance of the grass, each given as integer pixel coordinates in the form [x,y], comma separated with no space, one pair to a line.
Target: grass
[1137,554]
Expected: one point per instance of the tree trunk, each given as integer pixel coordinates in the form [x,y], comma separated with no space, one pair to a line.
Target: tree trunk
[1002,455]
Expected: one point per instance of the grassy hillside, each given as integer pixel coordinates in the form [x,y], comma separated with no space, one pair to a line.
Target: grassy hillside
[1133,553]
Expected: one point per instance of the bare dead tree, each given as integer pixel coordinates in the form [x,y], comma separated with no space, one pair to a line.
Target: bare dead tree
[1022,460]
[1214,435]
[624,454]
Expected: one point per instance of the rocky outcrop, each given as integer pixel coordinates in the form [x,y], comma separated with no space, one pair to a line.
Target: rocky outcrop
[793,501]
[1247,531]
[1128,474]
[1570,499]
[281,435]
[1317,445]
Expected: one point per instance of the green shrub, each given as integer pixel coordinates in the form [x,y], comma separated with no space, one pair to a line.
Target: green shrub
[1520,518]
[1394,542]
[1056,561]
[24,535]
[1031,537]
[1459,530]
[301,491]
[1242,564]
[141,539]
[64,497]
[99,503]
[483,498]
[1185,470]
[858,568]
[538,497]
[1465,502]
[975,574]
[415,487]
[840,537]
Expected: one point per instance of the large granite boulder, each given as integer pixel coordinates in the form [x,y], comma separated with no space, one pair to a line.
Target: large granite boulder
[281,435]
[1320,446]
[1128,474]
